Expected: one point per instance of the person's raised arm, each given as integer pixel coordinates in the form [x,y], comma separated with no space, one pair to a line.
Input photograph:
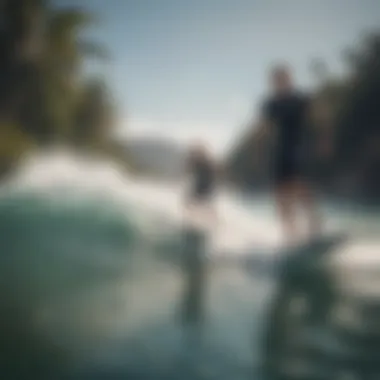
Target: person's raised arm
[262,129]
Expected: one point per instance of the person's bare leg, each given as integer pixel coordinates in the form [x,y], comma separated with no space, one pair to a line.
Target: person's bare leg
[208,210]
[213,214]
[308,202]
[286,209]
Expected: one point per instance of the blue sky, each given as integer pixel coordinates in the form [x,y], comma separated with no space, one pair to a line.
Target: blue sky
[196,68]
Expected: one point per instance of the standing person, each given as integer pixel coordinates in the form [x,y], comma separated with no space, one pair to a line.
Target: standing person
[203,173]
[286,110]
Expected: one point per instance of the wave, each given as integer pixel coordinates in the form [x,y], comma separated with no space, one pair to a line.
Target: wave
[81,258]
[64,175]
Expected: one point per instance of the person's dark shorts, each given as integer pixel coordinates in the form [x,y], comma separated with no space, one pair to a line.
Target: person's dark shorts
[201,194]
[287,168]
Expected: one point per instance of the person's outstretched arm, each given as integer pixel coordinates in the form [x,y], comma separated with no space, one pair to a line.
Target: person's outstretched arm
[263,129]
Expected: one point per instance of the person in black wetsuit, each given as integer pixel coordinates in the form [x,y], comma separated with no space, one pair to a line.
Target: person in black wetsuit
[287,111]
[203,172]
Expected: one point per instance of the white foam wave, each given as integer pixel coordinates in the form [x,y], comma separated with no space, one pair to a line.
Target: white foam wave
[237,228]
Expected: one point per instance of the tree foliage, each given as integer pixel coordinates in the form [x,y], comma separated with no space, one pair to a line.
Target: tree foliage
[45,94]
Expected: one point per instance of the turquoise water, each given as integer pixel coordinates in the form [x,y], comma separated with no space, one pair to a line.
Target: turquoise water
[91,290]
[89,296]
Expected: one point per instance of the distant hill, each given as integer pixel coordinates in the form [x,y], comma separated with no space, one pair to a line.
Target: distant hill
[156,157]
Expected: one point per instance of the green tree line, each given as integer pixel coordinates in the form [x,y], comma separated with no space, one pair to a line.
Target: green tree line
[349,113]
[45,95]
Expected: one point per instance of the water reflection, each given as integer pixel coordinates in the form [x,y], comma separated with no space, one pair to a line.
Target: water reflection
[317,331]
[194,272]
[81,299]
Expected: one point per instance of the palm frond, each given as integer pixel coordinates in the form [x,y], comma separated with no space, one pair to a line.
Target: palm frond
[69,21]
[93,49]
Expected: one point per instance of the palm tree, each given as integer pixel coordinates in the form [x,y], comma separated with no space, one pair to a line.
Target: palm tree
[42,52]
[95,113]
[20,22]
[320,71]
[64,55]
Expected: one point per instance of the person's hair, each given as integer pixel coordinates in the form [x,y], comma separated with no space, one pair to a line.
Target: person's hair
[280,69]
[199,150]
